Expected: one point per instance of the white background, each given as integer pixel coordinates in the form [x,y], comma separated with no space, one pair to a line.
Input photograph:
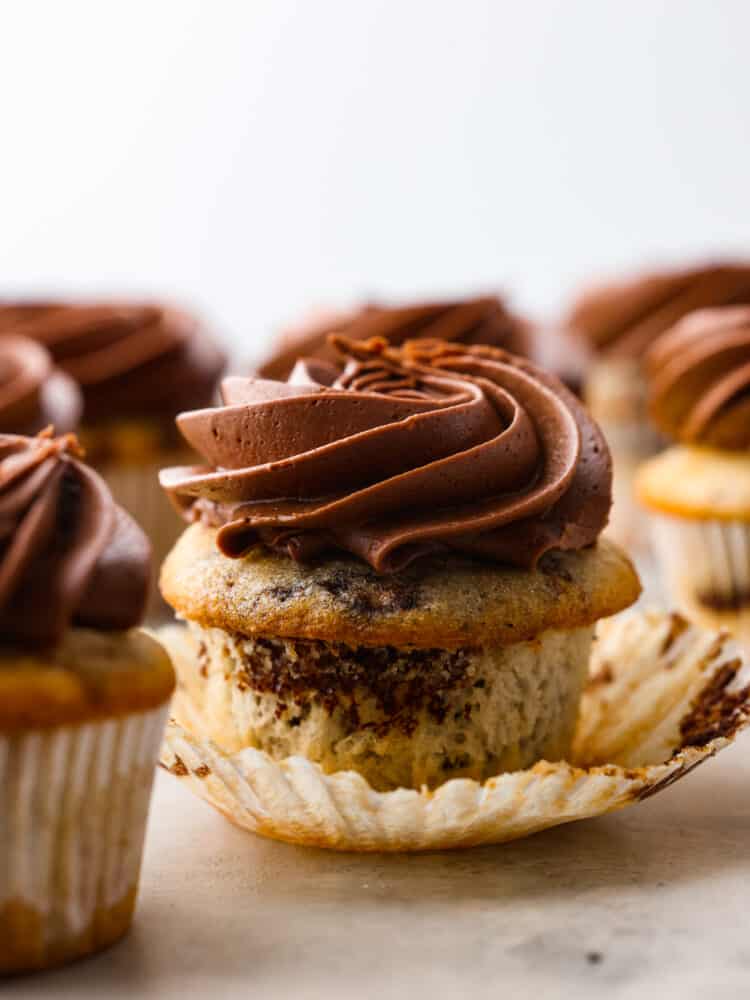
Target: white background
[255,158]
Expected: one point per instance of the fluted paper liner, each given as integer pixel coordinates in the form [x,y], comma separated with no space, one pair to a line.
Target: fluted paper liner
[73,807]
[706,561]
[663,696]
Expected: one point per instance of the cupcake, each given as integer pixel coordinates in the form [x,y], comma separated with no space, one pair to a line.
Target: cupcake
[83,701]
[619,322]
[698,491]
[137,366]
[33,393]
[393,565]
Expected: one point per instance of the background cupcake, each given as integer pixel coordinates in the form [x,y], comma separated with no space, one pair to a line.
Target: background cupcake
[137,366]
[394,569]
[619,322]
[698,492]
[482,320]
[82,706]
[33,393]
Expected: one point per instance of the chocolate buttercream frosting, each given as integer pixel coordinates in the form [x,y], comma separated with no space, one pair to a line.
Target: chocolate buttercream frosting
[481,320]
[623,319]
[428,448]
[68,554]
[128,359]
[699,379]
[33,393]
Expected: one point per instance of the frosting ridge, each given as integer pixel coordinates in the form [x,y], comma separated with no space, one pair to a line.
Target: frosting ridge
[699,379]
[68,554]
[408,451]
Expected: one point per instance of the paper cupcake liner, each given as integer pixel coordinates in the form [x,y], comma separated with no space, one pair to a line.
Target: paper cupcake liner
[663,696]
[73,807]
[136,488]
[705,568]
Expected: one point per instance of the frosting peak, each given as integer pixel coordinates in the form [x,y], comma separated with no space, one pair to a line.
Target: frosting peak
[480,320]
[699,379]
[128,358]
[33,393]
[68,554]
[430,447]
[622,319]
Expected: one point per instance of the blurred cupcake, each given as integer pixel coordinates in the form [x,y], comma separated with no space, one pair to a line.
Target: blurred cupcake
[83,700]
[698,492]
[33,393]
[619,322]
[395,569]
[482,320]
[137,366]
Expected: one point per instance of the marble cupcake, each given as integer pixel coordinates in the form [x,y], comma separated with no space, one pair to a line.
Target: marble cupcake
[395,569]
[137,366]
[83,701]
[698,491]
[619,322]
[34,394]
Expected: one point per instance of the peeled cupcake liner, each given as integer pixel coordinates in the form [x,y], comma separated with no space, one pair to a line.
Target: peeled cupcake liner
[705,567]
[663,696]
[74,802]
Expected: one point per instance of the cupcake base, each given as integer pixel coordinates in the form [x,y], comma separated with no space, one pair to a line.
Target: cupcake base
[73,808]
[663,696]
[25,948]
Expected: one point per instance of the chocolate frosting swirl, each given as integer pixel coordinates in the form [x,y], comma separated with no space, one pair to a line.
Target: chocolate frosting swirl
[432,447]
[622,319]
[33,393]
[481,320]
[68,554]
[699,379]
[129,359]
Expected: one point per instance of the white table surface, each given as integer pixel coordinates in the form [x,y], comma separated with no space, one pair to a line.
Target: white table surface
[649,902]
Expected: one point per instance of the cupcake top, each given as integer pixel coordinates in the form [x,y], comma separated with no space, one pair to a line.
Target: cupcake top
[699,379]
[431,447]
[68,554]
[129,359]
[481,320]
[33,393]
[622,319]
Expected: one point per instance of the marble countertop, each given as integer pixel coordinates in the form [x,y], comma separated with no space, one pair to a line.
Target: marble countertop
[648,902]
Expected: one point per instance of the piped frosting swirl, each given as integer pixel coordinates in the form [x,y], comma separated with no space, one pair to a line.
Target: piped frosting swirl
[480,320]
[33,393]
[68,554]
[129,359]
[431,447]
[622,319]
[699,379]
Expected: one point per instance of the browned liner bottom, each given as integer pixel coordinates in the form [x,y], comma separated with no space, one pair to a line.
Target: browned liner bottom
[24,930]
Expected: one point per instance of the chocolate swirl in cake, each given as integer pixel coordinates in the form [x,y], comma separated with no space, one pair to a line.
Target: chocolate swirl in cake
[481,320]
[623,319]
[68,554]
[128,359]
[33,393]
[432,447]
[699,379]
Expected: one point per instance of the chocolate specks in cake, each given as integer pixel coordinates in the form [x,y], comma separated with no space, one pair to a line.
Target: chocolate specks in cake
[306,672]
